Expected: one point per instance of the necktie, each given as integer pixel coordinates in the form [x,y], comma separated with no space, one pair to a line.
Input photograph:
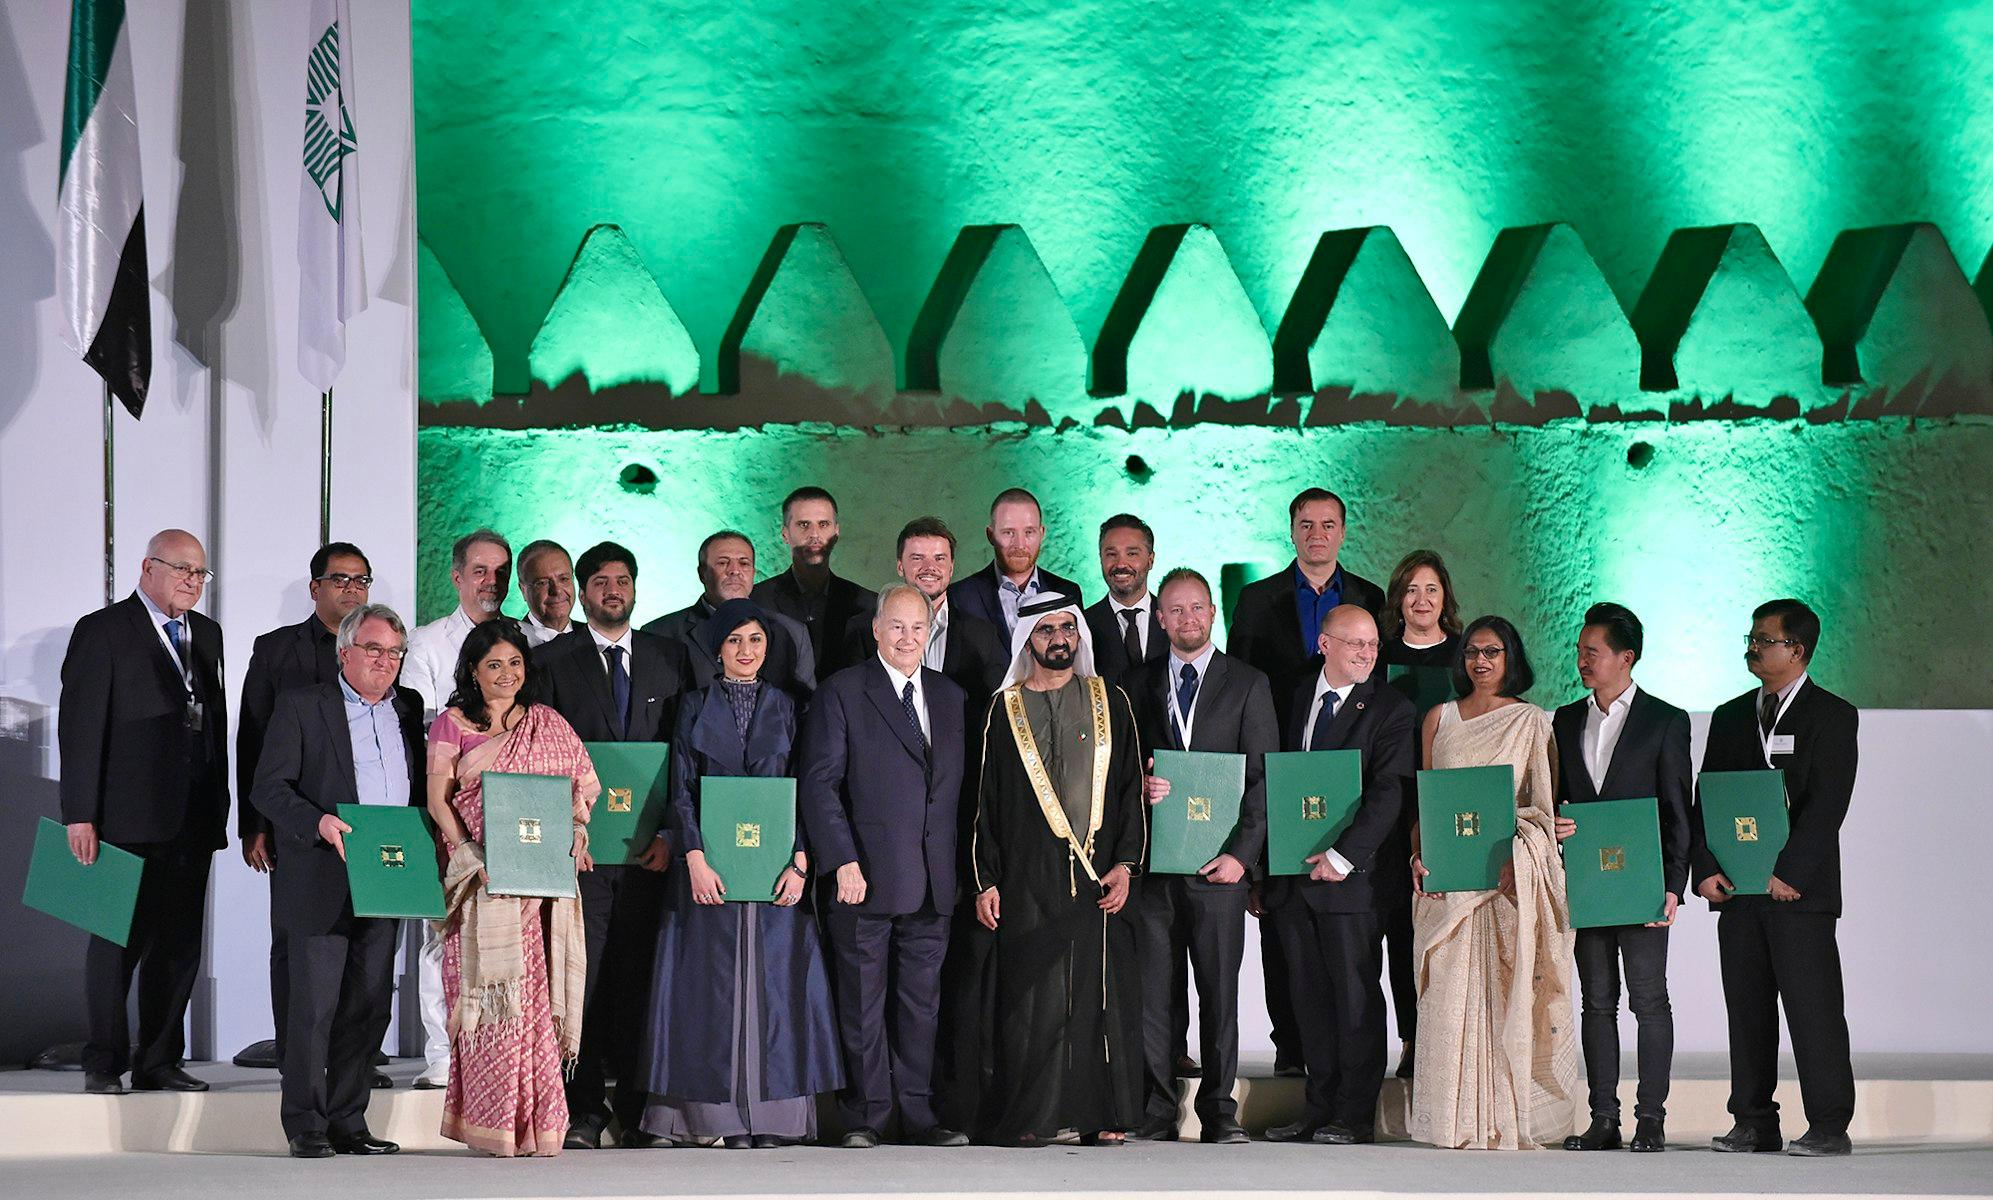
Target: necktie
[1186,696]
[173,636]
[619,689]
[1131,633]
[1319,738]
[913,714]
[1768,712]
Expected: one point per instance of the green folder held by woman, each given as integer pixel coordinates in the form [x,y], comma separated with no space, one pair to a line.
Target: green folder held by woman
[529,834]
[1467,826]
[749,826]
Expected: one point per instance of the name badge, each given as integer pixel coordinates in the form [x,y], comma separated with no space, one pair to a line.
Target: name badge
[1780,743]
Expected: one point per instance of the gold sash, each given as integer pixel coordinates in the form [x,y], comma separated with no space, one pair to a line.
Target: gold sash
[1041,780]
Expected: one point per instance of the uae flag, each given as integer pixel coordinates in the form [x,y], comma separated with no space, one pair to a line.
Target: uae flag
[100,236]
[332,282]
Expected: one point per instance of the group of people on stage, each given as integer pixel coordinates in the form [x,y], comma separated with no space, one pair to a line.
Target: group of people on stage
[967,942]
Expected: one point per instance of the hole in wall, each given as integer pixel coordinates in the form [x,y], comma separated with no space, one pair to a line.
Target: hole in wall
[1639,455]
[637,479]
[1137,467]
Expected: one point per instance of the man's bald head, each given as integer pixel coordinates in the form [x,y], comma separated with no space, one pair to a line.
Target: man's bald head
[175,571]
[1348,645]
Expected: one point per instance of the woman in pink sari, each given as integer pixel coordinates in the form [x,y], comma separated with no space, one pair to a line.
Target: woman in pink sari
[513,968]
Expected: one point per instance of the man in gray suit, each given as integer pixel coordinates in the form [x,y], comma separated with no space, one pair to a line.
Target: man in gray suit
[726,572]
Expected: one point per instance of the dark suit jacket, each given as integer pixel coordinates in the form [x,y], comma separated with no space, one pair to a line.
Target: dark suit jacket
[873,794]
[1265,629]
[1110,649]
[1650,759]
[130,764]
[791,663]
[1819,781]
[843,600]
[977,595]
[305,771]
[705,743]
[292,656]
[1382,725]
[577,685]
[974,657]
[1233,714]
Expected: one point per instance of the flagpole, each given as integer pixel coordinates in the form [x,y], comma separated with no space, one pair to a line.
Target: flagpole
[325,466]
[110,498]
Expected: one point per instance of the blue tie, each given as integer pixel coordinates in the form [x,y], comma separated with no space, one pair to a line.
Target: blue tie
[619,689]
[1186,695]
[173,636]
[913,714]
[1318,740]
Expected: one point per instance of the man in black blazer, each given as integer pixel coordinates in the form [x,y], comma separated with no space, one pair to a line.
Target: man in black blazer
[726,572]
[290,656]
[808,591]
[355,740]
[880,776]
[1331,920]
[1016,534]
[1781,948]
[142,731]
[1198,699]
[1126,630]
[968,651]
[615,684]
[1621,742]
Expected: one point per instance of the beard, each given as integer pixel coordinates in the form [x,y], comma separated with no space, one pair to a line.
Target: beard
[1055,658]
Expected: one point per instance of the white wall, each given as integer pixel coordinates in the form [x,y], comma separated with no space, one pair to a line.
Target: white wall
[228,446]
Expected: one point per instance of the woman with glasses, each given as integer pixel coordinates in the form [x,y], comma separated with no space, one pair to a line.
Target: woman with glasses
[1496,1057]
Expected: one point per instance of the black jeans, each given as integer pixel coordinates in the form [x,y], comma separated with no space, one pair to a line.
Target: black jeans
[1645,952]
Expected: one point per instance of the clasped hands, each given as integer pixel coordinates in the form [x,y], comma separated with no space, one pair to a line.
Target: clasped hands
[1113,896]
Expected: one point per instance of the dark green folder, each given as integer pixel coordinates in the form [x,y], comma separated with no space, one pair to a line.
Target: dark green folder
[1467,820]
[631,807]
[1426,687]
[1191,825]
[391,862]
[1745,824]
[99,898]
[1612,864]
[1311,797]
[749,827]
[529,834]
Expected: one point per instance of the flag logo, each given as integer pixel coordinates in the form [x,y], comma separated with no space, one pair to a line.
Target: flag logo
[328,127]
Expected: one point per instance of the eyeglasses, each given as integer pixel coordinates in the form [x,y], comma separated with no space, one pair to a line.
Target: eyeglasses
[184,570]
[397,653]
[1753,641]
[1063,630]
[1369,647]
[342,582]
[1490,653]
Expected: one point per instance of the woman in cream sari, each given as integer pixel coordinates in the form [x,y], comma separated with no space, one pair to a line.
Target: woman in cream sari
[513,967]
[1497,1062]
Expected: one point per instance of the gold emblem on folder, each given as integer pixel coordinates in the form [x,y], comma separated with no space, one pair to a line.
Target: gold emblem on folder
[1612,858]
[529,831]
[391,856]
[1467,824]
[620,800]
[1200,808]
[1747,829]
[747,834]
[1314,808]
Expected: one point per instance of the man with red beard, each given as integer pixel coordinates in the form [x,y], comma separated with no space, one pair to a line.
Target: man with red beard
[1016,534]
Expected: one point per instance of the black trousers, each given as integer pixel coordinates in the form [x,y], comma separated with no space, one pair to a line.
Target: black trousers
[280,981]
[1771,955]
[1172,915]
[621,908]
[1398,944]
[1645,953]
[967,1021]
[1286,1032]
[1335,962]
[164,952]
[888,984]
[340,995]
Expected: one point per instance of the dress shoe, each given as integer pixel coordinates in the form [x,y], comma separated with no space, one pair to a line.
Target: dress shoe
[1223,1132]
[1404,1070]
[1155,1129]
[1300,1131]
[584,1136]
[1748,1139]
[311,1145]
[737,1141]
[429,1083]
[102,1085]
[861,1138]
[636,1138]
[938,1136]
[1289,1068]
[172,1079]
[1603,1135]
[1187,1068]
[1333,1134]
[1104,1138]
[381,1081]
[770,1141]
[1815,1144]
[363,1143]
[1648,1136]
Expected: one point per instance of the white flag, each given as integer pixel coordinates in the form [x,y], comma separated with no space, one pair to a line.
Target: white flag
[332,282]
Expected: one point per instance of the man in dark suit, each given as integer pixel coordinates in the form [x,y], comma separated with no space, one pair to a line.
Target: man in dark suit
[1016,534]
[1781,948]
[1275,627]
[1198,699]
[546,584]
[880,779]
[1331,920]
[355,740]
[615,684]
[142,730]
[1621,742]
[291,656]
[1126,630]
[808,591]
[969,652]
[726,572]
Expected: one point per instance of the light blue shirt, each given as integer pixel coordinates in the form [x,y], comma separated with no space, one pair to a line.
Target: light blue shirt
[380,763]
[1012,597]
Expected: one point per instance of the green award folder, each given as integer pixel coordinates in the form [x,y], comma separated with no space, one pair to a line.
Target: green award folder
[1311,797]
[749,827]
[1467,819]
[1612,864]
[391,862]
[99,898]
[529,834]
[1191,825]
[1745,824]
[631,808]
[1425,687]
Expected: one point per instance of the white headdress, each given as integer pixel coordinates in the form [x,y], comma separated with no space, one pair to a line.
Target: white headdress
[1029,614]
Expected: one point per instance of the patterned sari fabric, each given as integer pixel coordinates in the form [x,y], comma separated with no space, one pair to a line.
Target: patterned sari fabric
[513,968]
[1497,1057]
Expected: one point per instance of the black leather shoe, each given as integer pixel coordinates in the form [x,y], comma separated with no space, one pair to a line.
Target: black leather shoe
[1300,1131]
[635,1138]
[1748,1139]
[938,1136]
[1344,1135]
[1603,1135]
[381,1081]
[1223,1132]
[172,1079]
[770,1141]
[1155,1129]
[861,1138]
[1821,1145]
[1648,1136]
[1289,1068]
[585,1136]
[737,1141]
[102,1085]
[311,1145]
[363,1143]
[1187,1068]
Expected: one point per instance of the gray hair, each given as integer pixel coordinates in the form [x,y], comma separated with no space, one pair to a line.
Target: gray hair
[349,625]
[461,552]
[901,588]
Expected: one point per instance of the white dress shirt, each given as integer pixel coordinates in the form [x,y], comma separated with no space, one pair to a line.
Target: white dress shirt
[1602,730]
[937,637]
[1322,692]
[1143,610]
[626,643]
[431,665]
[900,683]
[536,633]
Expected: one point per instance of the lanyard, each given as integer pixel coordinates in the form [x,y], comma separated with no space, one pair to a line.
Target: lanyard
[1765,736]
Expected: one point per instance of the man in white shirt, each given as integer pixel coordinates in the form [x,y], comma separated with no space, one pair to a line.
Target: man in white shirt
[546,583]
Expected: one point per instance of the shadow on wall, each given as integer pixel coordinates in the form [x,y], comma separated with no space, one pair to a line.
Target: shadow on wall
[42,960]
[29,276]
